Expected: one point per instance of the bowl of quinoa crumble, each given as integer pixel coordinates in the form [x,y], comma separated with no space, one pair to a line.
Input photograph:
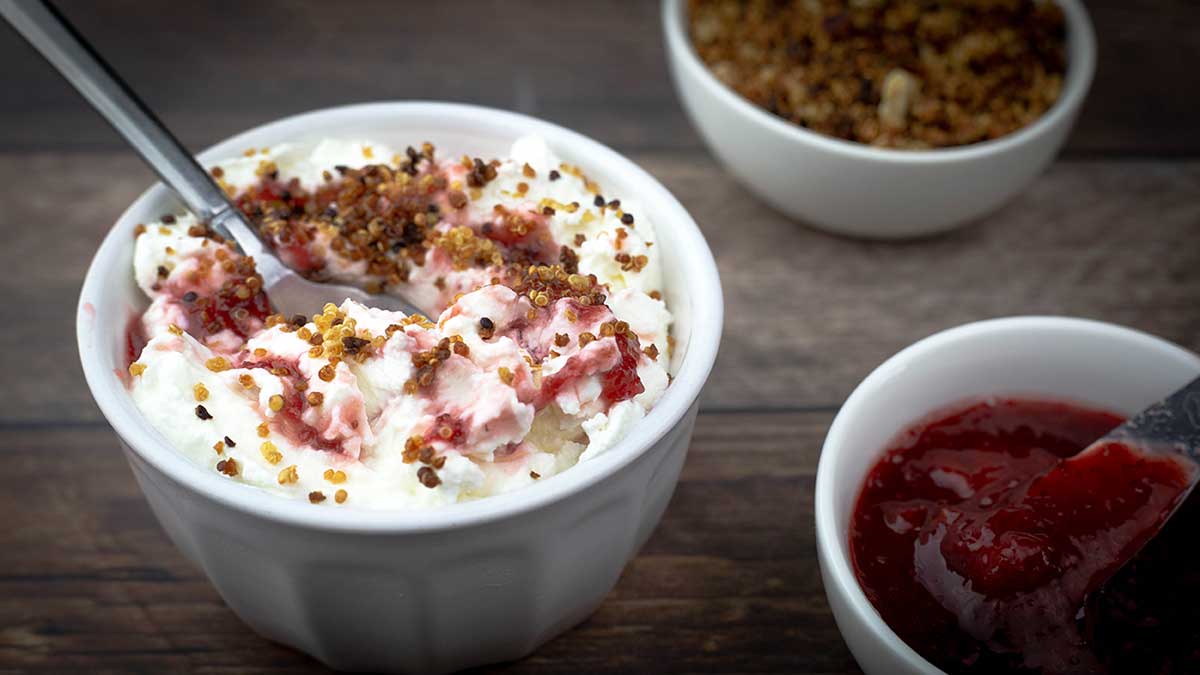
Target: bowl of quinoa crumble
[882,118]
[438,493]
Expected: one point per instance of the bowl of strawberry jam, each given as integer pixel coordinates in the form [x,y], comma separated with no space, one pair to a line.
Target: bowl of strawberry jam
[961,530]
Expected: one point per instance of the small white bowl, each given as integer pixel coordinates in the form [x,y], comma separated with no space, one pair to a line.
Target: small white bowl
[1087,362]
[438,590]
[855,189]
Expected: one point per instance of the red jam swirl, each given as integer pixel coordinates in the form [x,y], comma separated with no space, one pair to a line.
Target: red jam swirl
[289,420]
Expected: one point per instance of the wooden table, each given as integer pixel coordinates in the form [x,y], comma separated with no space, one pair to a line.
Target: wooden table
[729,581]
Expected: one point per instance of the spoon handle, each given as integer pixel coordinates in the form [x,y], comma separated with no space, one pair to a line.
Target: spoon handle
[1171,424]
[50,34]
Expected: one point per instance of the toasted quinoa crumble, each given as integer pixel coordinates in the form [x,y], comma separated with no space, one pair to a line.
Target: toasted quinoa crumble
[383,215]
[910,74]
[544,285]
[426,363]
[289,475]
[506,375]
[631,263]
[428,477]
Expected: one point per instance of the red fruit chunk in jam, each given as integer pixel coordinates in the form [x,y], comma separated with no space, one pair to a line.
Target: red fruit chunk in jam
[621,382]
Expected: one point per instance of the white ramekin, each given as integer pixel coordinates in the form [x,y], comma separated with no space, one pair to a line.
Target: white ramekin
[427,591]
[855,189]
[1089,362]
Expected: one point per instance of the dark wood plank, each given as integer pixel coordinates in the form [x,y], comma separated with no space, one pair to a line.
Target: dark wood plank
[729,581]
[809,315]
[213,69]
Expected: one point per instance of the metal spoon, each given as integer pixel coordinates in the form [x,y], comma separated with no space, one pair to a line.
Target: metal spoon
[1171,425]
[49,33]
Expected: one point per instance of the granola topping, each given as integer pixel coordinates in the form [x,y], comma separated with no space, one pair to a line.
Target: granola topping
[894,73]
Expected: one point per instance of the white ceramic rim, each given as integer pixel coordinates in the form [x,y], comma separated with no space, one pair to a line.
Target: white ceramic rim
[837,566]
[1081,67]
[707,313]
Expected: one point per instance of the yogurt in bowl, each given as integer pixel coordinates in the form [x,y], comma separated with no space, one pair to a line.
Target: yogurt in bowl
[384,583]
[548,337]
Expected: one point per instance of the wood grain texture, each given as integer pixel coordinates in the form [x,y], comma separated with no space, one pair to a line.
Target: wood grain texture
[728,582]
[597,66]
